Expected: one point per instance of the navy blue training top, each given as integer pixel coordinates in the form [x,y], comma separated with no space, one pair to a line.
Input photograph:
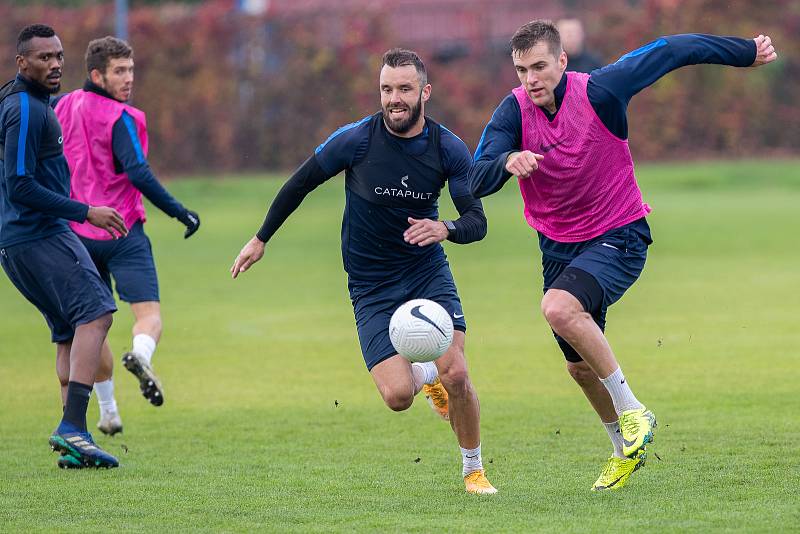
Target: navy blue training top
[34,175]
[609,89]
[387,180]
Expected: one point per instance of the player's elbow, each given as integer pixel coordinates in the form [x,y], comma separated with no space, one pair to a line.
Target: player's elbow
[482,230]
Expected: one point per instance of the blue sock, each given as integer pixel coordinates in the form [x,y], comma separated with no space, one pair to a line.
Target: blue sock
[74,419]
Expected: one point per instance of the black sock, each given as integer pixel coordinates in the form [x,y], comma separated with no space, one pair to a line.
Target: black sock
[77,403]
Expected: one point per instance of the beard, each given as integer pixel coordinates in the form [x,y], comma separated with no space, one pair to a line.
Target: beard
[401,126]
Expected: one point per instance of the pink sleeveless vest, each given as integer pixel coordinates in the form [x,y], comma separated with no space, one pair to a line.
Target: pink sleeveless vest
[87,120]
[585,184]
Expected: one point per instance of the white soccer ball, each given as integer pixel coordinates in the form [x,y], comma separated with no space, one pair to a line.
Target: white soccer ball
[421,330]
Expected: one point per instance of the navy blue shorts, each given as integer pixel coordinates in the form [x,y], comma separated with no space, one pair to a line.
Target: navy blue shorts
[57,276]
[375,302]
[613,261]
[130,261]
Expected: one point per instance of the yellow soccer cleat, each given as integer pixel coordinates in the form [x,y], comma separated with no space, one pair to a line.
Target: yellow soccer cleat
[436,396]
[636,427]
[617,471]
[477,483]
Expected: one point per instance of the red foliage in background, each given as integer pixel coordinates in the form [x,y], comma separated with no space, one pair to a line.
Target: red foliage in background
[224,91]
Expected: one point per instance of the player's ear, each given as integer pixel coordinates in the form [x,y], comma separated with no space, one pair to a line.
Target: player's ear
[426,92]
[562,61]
[97,77]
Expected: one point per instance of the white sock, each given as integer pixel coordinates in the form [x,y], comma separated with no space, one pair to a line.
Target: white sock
[616,437]
[144,346]
[621,394]
[424,373]
[471,459]
[105,396]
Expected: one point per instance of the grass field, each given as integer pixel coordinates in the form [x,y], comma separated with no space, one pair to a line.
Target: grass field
[272,423]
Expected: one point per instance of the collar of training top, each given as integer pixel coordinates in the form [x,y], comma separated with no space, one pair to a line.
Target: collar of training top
[92,87]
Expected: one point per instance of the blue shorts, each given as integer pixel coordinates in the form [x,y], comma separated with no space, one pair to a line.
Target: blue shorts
[612,262]
[375,302]
[57,276]
[130,261]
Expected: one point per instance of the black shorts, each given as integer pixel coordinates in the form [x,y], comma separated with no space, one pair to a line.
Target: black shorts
[57,276]
[129,260]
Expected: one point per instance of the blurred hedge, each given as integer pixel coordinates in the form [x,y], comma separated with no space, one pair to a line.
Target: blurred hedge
[225,91]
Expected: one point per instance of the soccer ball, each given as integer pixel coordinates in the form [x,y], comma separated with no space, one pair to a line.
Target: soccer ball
[421,330]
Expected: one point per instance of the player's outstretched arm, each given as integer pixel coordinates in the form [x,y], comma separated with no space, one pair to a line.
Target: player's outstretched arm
[305,179]
[127,149]
[765,51]
[250,253]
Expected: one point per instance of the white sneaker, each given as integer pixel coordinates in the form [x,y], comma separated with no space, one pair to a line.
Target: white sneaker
[110,423]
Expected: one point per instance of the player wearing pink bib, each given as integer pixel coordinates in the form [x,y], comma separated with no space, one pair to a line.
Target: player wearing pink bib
[565,136]
[105,143]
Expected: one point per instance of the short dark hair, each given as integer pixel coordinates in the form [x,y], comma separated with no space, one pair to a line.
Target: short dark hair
[101,51]
[400,57]
[535,32]
[28,33]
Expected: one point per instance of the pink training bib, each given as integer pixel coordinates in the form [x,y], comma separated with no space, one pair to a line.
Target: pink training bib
[585,184]
[87,120]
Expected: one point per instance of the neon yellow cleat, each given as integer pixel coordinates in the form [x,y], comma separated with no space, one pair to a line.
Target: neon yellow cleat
[477,483]
[436,396]
[617,470]
[636,427]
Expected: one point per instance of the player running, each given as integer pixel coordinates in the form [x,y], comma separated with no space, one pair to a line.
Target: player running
[41,256]
[396,162]
[564,135]
[105,143]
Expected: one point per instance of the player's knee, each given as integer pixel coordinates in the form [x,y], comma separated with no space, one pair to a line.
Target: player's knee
[581,373]
[398,399]
[102,323]
[558,316]
[398,402]
[455,380]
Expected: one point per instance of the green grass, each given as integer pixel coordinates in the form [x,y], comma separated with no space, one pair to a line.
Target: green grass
[250,437]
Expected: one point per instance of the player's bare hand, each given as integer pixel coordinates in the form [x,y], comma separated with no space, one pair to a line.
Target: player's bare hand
[765,52]
[523,164]
[425,232]
[251,253]
[108,219]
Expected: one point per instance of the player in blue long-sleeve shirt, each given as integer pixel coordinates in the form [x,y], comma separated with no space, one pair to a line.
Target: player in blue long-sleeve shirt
[41,256]
[564,135]
[105,142]
[396,163]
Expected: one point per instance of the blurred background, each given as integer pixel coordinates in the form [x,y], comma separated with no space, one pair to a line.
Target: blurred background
[244,85]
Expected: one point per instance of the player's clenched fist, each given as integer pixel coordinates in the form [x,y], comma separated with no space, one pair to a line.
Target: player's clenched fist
[765,52]
[522,164]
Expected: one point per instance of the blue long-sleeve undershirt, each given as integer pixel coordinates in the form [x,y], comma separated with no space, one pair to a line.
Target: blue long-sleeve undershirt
[129,155]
